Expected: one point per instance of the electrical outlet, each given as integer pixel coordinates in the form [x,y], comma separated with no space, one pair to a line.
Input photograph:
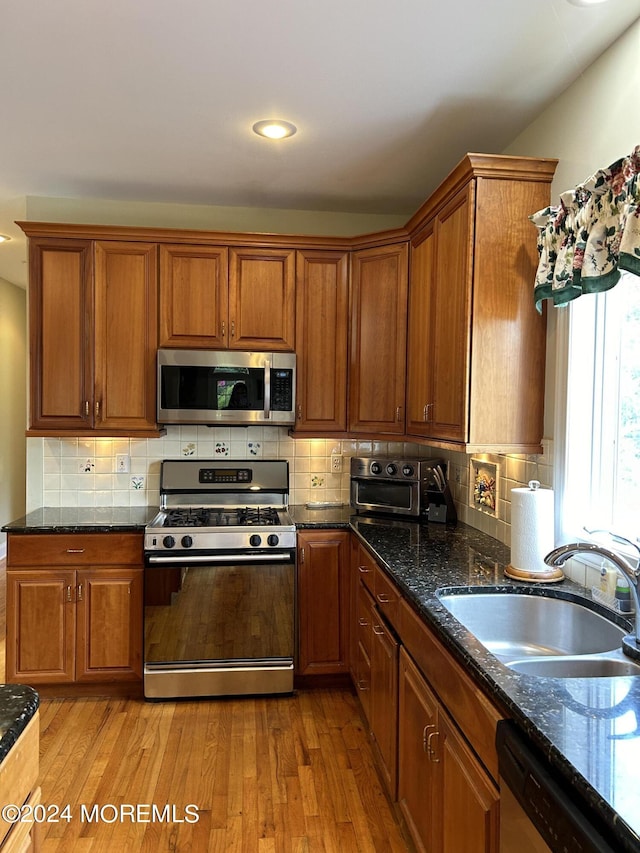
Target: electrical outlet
[336,463]
[122,463]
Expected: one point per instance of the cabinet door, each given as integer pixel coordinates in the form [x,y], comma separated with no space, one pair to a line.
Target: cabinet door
[322,304]
[61,337]
[419,366]
[323,602]
[378,339]
[262,299]
[40,626]
[384,699]
[419,794]
[109,624]
[125,335]
[450,326]
[470,804]
[194,289]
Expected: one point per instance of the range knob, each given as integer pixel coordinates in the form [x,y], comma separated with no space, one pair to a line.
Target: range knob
[376,468]
[168,541]
[272,540]
[187,541]
[407,470]
[392,469]
[255,540]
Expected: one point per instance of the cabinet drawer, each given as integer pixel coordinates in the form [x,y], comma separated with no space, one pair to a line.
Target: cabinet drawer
[366,568]
[75,549]
[387,597]
[476,716]
[18,775]
[364,605]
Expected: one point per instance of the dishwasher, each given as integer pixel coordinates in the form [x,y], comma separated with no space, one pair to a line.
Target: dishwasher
[538,812]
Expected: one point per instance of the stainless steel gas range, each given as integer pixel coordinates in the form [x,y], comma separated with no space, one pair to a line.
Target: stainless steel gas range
[220,581]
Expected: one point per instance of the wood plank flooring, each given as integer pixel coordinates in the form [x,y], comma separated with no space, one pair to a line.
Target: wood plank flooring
[266,775]
[284,774]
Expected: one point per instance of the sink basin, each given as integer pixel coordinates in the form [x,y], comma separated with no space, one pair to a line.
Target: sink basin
[513,626]
[576,667]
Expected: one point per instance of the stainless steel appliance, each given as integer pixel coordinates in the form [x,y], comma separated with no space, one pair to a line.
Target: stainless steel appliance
[220,581]
[538,813]
[226,387]
[411,487]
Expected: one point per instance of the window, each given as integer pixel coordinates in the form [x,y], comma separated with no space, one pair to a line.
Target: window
[601,487]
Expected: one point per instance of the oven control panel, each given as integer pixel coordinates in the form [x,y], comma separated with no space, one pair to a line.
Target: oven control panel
[225,475]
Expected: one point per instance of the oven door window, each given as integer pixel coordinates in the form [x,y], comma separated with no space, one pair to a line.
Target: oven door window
[386,494]
[219,613]
[212,388]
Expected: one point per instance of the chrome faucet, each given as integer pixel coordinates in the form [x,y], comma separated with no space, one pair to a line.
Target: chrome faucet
[561,554]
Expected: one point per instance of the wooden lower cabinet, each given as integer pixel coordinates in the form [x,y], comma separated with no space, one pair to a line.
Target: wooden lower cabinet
[68,622]
[323,602]
[448,800]
[384,699]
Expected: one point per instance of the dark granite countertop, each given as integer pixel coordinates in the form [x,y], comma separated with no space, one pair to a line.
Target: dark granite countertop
[18,704]
[99,519]
[589,728]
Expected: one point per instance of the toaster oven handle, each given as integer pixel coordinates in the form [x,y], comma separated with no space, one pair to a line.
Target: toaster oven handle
[267,388]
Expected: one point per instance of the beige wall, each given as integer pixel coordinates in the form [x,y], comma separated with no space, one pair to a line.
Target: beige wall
[593,123]
[13,403]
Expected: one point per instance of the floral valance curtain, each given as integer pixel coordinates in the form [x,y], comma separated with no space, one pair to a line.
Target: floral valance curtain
[592,234]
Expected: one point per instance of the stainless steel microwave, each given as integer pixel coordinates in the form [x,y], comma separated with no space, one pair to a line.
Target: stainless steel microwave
[226,387]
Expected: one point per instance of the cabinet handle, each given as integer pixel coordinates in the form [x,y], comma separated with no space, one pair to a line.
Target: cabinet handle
[75,550]
[362,622]
[398,413]
[425,736]
[233,328]
[427,411]
[79,592]
[224,328]
[97,410]
[383,599]
[379,630]
[362,684]
[363,570]
[430,750]
[299,411]
[302,555]
[86,408]
[69,598]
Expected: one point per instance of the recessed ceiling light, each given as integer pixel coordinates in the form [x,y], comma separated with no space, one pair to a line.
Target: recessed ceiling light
[274,128]
[586,2]
[4,238]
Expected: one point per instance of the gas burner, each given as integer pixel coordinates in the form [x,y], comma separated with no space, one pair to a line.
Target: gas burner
[264,516]
[197,517]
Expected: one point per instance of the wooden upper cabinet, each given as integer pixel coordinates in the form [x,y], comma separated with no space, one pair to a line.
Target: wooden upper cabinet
[61,333]
[378,339]
[125,336]
[439,323]
[476,346]
[261,299]
[194,302]
[93,328]
[322,306]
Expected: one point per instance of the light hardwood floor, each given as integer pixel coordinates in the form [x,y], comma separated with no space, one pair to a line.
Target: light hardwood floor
[267,775]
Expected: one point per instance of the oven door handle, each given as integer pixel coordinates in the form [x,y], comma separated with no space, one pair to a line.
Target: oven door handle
[219,558]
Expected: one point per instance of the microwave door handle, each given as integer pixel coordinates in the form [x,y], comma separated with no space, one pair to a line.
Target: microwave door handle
[267,389]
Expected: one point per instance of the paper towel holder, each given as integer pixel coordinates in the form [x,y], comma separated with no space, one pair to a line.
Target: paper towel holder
[550,574]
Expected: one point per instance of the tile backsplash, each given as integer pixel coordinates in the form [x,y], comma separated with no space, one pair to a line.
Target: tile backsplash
[89,472]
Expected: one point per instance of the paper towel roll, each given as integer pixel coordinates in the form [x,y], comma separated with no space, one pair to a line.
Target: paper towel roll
[532,534]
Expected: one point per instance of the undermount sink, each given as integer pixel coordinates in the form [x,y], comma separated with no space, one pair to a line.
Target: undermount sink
[543,636]
[601,666]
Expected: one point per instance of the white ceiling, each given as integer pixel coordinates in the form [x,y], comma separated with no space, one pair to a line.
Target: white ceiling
[153,100]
